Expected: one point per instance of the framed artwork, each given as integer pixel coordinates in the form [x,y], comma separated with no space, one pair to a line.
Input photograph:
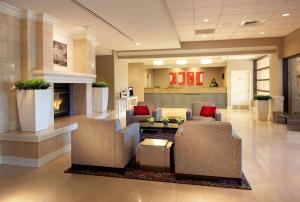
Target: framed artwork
[172,78]
[199,78]
[60,53]
[181,78]
[190,77]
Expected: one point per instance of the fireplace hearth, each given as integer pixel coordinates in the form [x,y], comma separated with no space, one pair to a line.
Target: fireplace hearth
[61,100]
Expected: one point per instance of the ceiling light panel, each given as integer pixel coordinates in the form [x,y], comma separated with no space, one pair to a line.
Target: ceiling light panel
[158,62]
[181,62]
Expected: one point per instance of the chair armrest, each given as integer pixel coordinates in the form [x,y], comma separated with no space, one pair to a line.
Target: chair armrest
[156,114]
[188,115]
[131,129]
[129,114]
[218,116]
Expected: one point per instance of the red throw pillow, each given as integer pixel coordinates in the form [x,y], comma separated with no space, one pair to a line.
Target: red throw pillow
[208,111]
[141,110]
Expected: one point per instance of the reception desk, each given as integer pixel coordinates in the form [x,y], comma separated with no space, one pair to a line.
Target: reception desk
[183,97]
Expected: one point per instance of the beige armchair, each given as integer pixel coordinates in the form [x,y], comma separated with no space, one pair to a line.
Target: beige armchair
[103,143]
[209,149]
[193,114]
[153,107]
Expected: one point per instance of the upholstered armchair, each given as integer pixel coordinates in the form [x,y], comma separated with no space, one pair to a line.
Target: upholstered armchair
[103,143]
[193,114]
[154,110]
[208,149]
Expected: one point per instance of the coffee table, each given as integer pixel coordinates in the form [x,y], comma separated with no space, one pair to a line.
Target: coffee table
[154,154]
[158,126]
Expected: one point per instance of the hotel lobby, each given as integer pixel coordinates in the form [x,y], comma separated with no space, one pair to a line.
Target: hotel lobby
[161,100]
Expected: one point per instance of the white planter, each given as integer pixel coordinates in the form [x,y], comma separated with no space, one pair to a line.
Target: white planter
[262,109]
[34,109]
[100,99]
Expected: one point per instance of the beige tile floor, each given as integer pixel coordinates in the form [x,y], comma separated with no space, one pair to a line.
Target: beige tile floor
[271,162]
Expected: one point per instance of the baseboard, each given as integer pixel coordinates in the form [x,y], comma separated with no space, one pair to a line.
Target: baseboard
[19,161]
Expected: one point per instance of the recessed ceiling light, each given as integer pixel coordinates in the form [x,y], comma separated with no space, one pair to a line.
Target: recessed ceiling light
[205,20]
[285,14]
[137,44]
[181,62]
[262,33]
[204,36]
[158,62]
[206,61]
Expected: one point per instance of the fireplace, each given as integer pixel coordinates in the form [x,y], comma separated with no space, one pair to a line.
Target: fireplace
[61,100]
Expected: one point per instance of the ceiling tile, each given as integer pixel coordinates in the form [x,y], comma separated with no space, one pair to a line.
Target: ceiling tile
[227,25]
[237,9]
[186,32]
[206,26]
[207,11]
[204,37]
[185,27]
[240,35]
[257,16]
[179,4]
[291,5]
[233,2]
[246,29]
[224,31]
[208,3]
[183,21]
[182,13]
[221,36]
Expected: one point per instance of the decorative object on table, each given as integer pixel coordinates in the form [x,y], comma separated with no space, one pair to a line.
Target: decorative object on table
[190,77]
[181,78]
[165,120]
[100,96]
[179,120]
[34,101]
[199,78]
[150,120]
[213,83]
[60,54]
[262,105]
[172,78]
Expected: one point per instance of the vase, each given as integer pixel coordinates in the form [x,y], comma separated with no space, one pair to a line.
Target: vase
[100,99]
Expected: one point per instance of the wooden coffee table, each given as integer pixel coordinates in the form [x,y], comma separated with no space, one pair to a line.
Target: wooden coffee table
[159,126]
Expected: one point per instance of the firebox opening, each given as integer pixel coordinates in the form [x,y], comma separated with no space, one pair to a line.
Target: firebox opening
[61,100]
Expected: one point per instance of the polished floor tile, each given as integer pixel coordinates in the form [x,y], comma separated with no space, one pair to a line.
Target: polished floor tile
[270,162]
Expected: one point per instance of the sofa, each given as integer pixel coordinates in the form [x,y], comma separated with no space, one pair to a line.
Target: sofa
[208,149]
[193,114]
[154,110]
[103,143]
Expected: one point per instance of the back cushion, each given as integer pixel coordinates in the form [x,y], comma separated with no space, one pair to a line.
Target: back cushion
[152,106]
[197,106]
[141,110]
[208,111]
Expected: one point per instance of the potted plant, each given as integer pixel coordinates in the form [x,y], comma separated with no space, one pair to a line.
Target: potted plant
[34,104]
[150,120]
[100,96]
[165,120]
[179,120]
[262,105]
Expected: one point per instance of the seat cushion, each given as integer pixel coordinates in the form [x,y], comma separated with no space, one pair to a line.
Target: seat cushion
[139,118]
[202,118]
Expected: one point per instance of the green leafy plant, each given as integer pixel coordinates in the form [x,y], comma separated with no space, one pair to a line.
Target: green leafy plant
[100,84]
[179,120]
[262,97]
[150,120]
[165,120]
[36,84]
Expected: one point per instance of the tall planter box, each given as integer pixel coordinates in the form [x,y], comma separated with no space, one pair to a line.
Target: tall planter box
[100,99]
[34,109]
[262,109]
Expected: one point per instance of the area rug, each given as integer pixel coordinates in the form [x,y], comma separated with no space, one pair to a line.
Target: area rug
[133,172]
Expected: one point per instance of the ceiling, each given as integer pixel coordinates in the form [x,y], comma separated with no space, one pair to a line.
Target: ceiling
[225,16]
[162,24]
[194,61]
[146,22]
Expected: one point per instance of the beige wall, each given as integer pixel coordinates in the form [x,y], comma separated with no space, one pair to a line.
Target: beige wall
[161,76]
[136,79]
[291,44]
[10,70]
[105,71]
[275,75]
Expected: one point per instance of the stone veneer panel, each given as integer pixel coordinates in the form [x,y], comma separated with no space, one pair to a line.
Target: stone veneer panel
[10,70]
[294,85]
[35,150]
